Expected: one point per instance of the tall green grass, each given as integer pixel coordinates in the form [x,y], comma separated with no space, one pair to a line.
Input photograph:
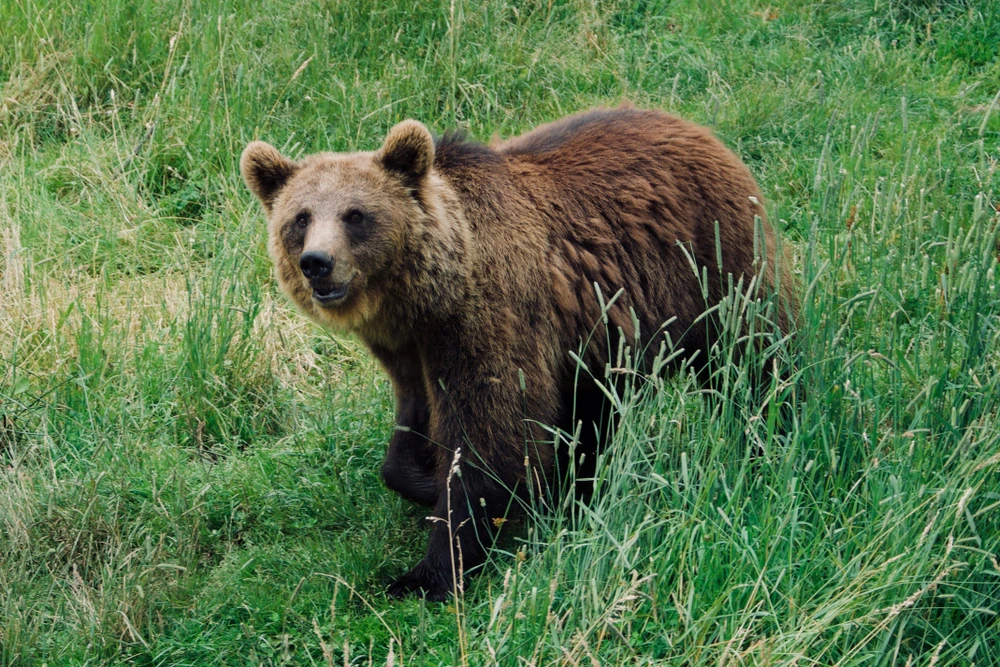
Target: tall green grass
[189,469]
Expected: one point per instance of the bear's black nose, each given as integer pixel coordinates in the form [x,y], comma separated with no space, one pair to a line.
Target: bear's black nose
[315,264]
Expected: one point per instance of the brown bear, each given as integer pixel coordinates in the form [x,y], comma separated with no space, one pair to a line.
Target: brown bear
[470,271]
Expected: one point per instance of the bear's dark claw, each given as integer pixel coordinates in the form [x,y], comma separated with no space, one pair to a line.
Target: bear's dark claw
[421,581]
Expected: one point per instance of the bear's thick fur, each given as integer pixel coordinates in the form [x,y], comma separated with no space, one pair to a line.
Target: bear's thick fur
[465,268]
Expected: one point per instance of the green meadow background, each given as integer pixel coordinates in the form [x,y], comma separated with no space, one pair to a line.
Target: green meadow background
[189,469]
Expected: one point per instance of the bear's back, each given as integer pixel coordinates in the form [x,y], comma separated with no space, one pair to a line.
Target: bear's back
[608,197]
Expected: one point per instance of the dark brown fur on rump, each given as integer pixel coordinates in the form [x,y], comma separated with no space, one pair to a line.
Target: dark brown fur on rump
[479,269]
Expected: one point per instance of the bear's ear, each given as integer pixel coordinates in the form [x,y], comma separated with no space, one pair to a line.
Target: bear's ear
[265,171]
[408,152]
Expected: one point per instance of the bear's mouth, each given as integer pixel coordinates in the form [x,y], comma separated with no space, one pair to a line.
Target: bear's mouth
[331,295]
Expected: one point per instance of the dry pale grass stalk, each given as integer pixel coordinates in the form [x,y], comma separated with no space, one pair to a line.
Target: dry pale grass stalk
[31,88]
[11,266]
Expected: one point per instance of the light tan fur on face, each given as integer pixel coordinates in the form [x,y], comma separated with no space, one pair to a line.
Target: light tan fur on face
[326,185]
[384,183]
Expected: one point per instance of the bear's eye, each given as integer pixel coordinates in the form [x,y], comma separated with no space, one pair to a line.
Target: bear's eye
[354,217]
[302,219]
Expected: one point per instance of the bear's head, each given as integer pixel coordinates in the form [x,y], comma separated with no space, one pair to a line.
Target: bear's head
[338,222]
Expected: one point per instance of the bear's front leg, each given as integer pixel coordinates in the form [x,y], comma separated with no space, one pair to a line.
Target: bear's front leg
[462,533]
[483,419]
[410,467]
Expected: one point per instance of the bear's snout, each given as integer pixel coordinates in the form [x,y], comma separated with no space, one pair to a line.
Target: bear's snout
[328,289]
[316,264]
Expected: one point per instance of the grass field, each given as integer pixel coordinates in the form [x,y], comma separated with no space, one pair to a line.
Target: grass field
[189,469]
